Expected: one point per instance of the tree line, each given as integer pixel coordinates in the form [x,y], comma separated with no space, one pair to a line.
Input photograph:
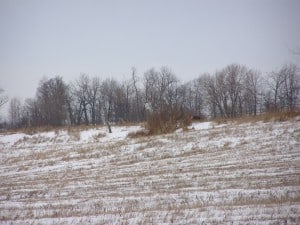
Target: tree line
[233,91]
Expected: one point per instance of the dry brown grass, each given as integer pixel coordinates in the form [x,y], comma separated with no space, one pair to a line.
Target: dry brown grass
[160,123]
[265,117]
[35,130]
[167,121]
[280,116]
[38,129]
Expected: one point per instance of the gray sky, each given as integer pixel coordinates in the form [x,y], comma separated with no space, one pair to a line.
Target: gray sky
[106,38]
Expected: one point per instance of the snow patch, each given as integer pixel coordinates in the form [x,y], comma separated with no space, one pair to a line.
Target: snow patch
[11,139]
[201,126]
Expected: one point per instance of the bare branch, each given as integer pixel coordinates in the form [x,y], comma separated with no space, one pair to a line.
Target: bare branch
[3,99]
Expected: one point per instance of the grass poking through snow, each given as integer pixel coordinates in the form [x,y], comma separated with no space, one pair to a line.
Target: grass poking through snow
[233,173]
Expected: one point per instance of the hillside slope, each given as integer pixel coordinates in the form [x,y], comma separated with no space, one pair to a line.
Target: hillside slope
[211,174]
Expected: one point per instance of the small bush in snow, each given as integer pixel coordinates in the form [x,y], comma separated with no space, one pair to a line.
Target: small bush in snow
[168,120]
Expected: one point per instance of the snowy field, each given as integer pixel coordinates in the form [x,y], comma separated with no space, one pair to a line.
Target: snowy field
[211,174]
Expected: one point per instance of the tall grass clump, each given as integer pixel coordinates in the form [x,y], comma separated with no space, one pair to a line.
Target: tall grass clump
[167,120]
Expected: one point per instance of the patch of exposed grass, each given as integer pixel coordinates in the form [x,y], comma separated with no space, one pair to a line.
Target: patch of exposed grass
[265,117]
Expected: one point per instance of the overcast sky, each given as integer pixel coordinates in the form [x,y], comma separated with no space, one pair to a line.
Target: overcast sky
[106,38]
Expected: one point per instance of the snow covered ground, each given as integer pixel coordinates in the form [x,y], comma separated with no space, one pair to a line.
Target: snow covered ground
[211,174]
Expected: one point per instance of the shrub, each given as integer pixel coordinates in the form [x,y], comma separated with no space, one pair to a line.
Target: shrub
[167,120]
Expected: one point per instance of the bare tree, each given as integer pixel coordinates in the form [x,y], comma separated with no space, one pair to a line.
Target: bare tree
[225,91]
[137,96]
[198,98]
[168,84]
[108,90]
[93,96]
[151,88]
[233,91]
[122,99]
[234,75]
[211,95]
[32,112]
[190,95]
[166,109]
[3,98]
[221,94]
[291,85]
[160,88]
[71,108]
[15,112]
[275,82]
[83,99]
[251,86]
[82,92]
[51,96]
